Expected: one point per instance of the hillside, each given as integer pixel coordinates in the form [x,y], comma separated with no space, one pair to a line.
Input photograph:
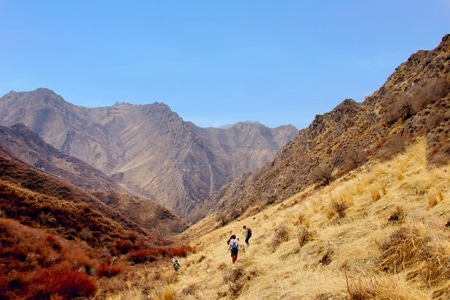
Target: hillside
[32,149]
[356,207]
[380,232]
[414,102]
[58,240]
[148,149]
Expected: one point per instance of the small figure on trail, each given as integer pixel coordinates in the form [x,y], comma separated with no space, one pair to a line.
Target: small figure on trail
[233,243]
[248,234]
[176,264]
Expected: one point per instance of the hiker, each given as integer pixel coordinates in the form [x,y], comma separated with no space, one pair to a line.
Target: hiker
[176,264]
[232,236]
[233,243]
[248,234]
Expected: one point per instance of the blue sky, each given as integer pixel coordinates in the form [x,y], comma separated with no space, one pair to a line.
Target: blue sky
[214,62]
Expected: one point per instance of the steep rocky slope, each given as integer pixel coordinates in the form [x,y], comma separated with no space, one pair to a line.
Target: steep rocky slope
[148,149]
[414,102]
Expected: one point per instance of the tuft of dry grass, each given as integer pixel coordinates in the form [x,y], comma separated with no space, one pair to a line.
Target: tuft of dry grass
[380,287]
[401,250]
[434,197]
[280,235]
[304,235]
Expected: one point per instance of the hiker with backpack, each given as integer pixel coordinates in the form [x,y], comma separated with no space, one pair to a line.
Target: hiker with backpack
[232,236]
[176,264]
[248,234]
[233,243]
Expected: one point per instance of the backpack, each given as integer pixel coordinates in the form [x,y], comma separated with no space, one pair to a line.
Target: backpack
[249,232]
[234,246]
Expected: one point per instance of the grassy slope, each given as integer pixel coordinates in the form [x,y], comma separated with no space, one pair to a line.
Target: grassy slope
[361,244]
[390,243]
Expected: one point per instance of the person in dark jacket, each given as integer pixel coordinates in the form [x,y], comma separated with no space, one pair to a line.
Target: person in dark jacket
[248,234]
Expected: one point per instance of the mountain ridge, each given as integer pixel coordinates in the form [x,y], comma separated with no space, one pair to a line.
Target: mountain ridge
[147,148]
[23,144]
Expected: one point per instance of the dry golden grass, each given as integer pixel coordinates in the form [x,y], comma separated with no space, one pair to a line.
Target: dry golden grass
[395,246]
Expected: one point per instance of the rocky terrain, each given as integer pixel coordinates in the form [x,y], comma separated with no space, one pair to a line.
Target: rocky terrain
[147,149]
[414,102]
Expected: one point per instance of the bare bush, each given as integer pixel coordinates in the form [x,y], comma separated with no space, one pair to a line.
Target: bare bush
[433,120]
[108,269]
[354,158]
[430,91]
[399,109]
[418,97]
[439,156]
[322,174]
[395,145]
[339,208]
[442,292]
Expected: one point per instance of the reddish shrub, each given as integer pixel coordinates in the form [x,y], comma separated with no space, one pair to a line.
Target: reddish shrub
[52,240]
[124,246]
[180,251]
[3,288]
[144,255]
[109,270]
[67,284]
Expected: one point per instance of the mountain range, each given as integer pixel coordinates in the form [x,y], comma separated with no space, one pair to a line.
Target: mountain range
[116,183]
[146,149]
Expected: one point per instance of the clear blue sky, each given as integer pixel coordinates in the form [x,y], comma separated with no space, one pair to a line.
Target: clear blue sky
[214,62]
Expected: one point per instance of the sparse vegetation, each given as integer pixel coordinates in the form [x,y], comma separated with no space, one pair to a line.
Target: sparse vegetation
[394,145]
[354,158]
[53,248]
[384,249]
[322,175]
[304,235]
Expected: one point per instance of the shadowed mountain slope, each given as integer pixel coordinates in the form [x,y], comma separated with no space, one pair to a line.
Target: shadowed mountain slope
[31,149]
[41,200]
[148,149]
